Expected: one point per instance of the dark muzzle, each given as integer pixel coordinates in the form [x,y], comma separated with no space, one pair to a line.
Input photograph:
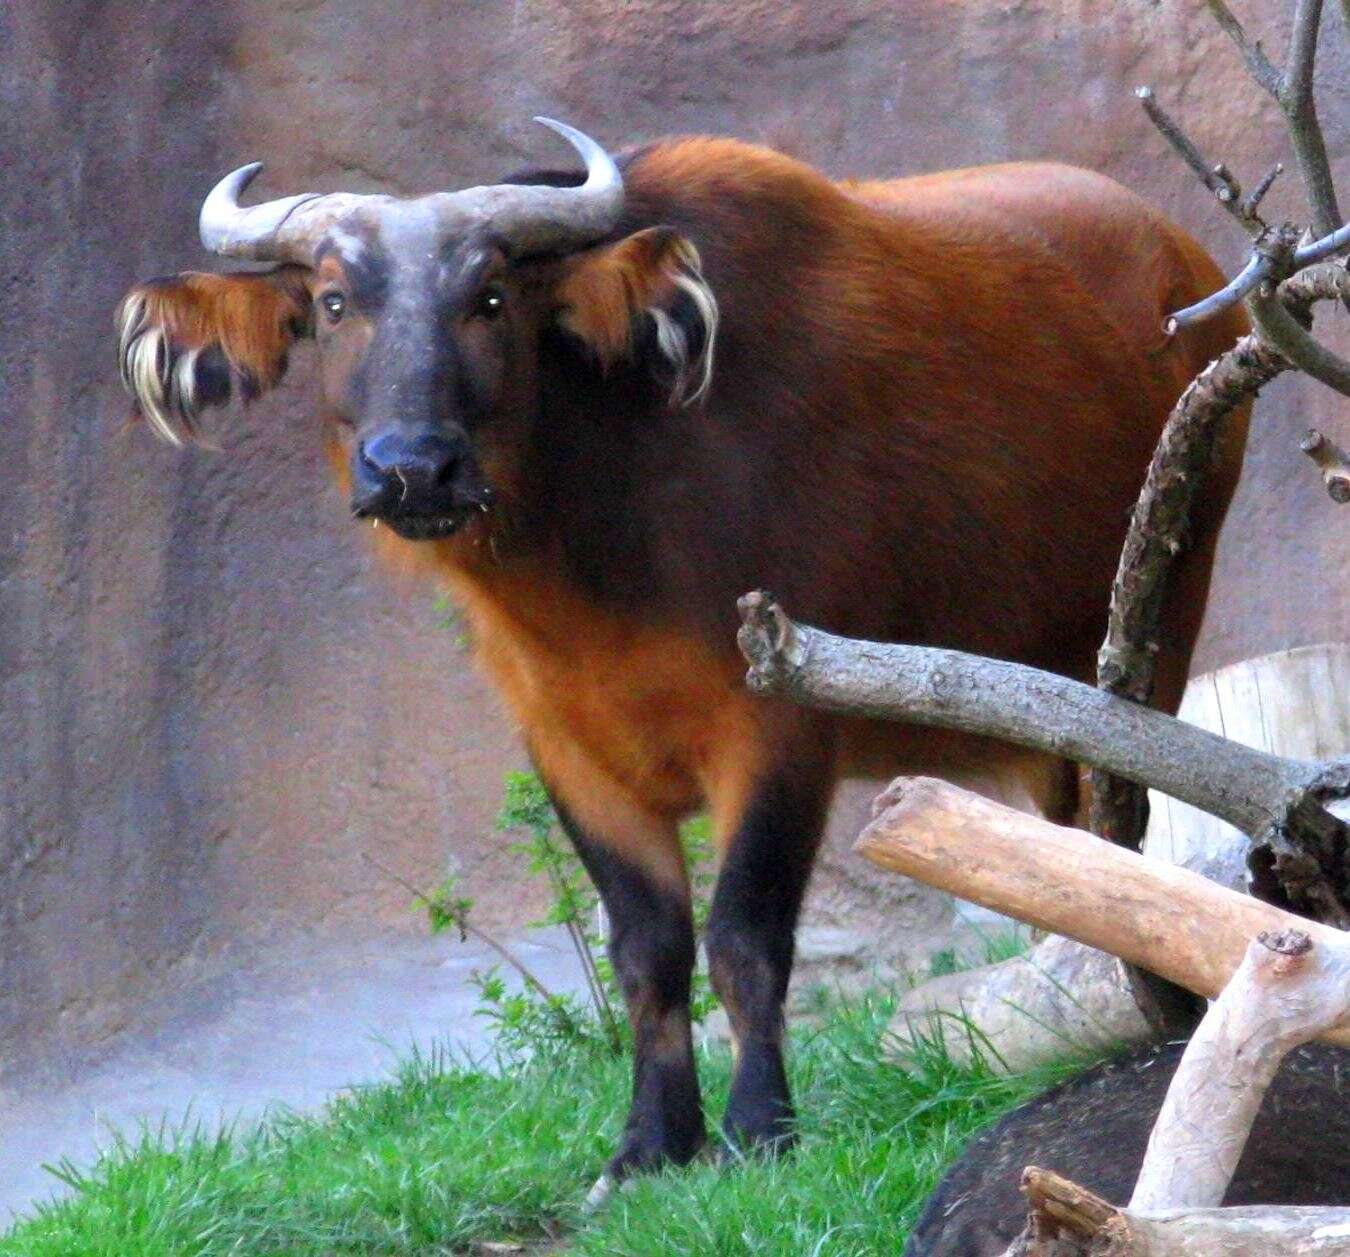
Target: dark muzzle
[423,485]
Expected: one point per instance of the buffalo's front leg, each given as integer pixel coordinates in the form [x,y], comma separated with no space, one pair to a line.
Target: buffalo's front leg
[651,945]
[769,850]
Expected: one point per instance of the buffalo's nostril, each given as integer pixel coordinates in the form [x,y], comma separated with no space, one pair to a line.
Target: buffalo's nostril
[368,462]
[430,460]
[410,473]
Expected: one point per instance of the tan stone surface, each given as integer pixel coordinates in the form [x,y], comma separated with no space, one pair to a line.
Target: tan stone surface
[212,704]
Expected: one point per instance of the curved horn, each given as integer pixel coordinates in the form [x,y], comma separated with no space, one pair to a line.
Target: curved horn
[534,217]
[276,231]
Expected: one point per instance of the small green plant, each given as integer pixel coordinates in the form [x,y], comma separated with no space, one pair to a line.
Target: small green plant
[448,617]
[526,807]
[535,1019]
[527,1022]
[575,906]
[944,962]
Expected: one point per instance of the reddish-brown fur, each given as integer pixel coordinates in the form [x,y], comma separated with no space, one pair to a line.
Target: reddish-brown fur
[1015,309]
[972,370]
[932,406]
[597,301]
[254,319]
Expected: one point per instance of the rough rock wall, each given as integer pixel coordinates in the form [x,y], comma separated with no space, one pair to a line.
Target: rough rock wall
[212,703]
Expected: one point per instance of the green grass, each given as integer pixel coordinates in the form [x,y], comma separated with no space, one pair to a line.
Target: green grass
[444,1155]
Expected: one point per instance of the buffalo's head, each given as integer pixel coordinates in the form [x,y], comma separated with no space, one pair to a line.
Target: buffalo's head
[429,314]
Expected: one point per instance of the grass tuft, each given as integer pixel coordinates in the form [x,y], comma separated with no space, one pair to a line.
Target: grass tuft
[446,1155]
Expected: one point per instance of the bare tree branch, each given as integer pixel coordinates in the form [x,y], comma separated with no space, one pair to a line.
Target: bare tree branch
[1288,336]
[1300,110]
[953,690]
[1292,90]
[1258,64]
[1260,269]
[1298,74]
[1214,175]
[1126,661]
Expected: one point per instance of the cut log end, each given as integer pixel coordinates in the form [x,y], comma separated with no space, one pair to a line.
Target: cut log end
[1061,1207]
[1332,461]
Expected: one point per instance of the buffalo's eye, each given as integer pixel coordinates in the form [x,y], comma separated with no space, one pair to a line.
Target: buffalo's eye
[489,304]
[333,305]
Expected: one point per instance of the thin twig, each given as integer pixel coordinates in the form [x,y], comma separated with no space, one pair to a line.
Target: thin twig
[582,947]
[604,1009]
[1214,175]
[468,927]
[1259,269]
[1260,66]
[1253,202]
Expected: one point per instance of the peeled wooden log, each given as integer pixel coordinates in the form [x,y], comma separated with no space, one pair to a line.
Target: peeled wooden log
[1163,918]
[1069,1221]
[1058,999]
[1286,991]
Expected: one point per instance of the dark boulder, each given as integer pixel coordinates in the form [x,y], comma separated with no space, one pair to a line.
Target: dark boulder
[1094,1130]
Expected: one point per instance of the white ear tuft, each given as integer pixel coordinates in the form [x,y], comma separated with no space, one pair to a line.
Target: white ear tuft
[692,378]
[163,384]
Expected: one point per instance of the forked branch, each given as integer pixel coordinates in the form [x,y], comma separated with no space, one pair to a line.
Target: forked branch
[1279,283]
[1292,90]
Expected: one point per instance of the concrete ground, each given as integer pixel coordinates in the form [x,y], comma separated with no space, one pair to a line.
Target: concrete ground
[288,1028]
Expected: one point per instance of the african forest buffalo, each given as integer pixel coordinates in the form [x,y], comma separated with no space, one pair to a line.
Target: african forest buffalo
[602,408]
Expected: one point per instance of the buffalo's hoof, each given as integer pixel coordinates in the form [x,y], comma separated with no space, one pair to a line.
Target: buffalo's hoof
[605,1186]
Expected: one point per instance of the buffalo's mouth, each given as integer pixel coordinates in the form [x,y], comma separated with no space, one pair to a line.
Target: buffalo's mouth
[425,527]
[421,508]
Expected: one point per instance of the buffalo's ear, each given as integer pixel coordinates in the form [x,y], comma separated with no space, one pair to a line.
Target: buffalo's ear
[645,292]
[188,341]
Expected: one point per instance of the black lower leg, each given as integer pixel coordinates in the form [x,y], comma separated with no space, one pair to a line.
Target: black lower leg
[750,946]
[651,946]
